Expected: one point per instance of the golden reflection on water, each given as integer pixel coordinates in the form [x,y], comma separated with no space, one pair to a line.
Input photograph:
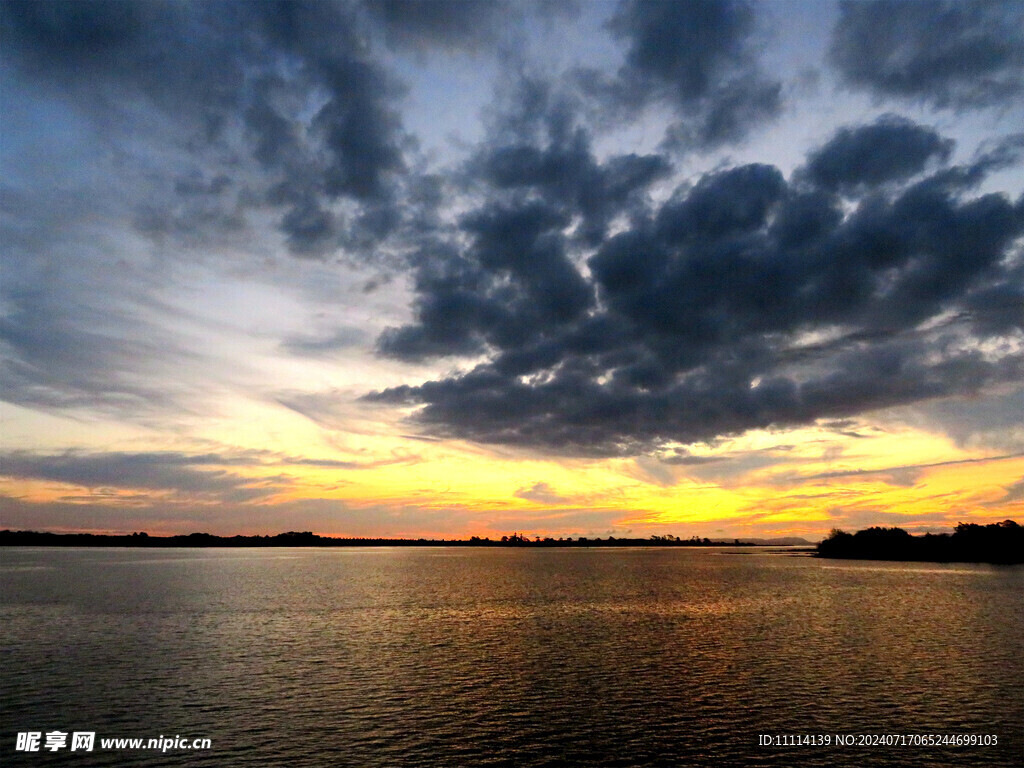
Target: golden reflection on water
[413,657]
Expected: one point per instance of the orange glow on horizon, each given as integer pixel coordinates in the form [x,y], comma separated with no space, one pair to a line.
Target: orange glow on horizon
[798,482]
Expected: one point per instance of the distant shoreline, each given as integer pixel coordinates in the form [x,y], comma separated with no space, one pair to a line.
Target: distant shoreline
[997,543]
[307,539]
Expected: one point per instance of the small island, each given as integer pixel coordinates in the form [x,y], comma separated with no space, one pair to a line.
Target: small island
[1000,543]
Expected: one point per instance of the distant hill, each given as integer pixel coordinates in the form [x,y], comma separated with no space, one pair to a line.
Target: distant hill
[785,541]
[970,543]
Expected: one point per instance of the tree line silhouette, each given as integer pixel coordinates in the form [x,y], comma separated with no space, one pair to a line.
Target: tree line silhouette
[969,543]
[309,539]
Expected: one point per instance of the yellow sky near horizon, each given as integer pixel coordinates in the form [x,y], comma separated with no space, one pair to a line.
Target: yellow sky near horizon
[799,482]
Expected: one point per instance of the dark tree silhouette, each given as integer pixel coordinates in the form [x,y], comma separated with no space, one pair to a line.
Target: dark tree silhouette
[994,543]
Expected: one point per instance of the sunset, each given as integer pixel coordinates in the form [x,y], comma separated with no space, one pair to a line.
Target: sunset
[734,271]
[419,270]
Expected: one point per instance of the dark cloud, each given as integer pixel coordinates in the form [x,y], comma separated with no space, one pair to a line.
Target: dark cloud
[309,228]
[92,50]
[198,476]
[196,126]
[457,25]
[514,283]
[568,174]
[851,428]
[891,148]
[743,301]
[511,275]
[538,144]
[722,204]
[968,53]
[296,82]
[448,23]
[579,415]
[728,115]
[683,47]
[698,57]
[601,322]
[158,471]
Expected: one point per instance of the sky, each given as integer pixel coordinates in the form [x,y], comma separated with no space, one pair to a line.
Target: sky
[441,269]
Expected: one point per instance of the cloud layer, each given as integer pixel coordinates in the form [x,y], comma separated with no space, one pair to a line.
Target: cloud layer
[950,54]
[629,228]
[744,300]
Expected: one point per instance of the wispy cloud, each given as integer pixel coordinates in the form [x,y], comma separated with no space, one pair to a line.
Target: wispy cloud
[542,493]
[190,476]
[906,474]
[1014,492]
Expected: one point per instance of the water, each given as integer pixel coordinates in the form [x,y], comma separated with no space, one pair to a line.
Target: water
[507,657]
